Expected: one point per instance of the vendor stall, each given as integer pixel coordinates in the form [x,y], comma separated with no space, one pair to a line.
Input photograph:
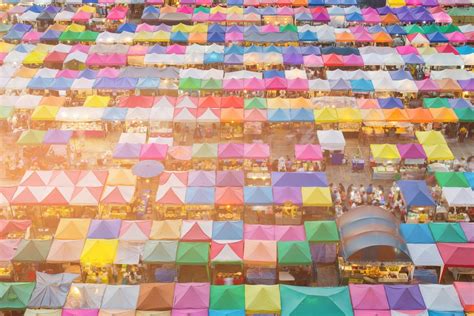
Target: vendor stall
[192,260]
[417,199]
[256,166]
[159,256]
[294,262]
[258,205]
[227,262]
[308,157]
[260,261]
[384,161]
[427,261]
[413,161]
[460,202]
[97,258]
[323,237]
[332,144]
[204,156]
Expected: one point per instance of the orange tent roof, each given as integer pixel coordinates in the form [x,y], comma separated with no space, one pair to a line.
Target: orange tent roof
[397,115]
[53,101]
[382,37]
[345,37]
[229,196]
[232,102]
[444,115]
[368,103]
[448,85]
[419,115]
[210,102]
[260,252]
[199,38]
[255,115]
[300,102]
[232,115]
[390,19]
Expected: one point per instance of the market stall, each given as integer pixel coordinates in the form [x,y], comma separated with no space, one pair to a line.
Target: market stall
[258,201]
[260,261]
[428,262]
[418,200]
[159,256]
[192,260]
[323,237]
[413,161]
[256,164]
[384,161]
[227,262]
[97,258]
[294,262]
[308,157]
[30,256]
[332,144]
[460,202]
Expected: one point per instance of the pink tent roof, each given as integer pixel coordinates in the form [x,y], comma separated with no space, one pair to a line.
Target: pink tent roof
[135,230]
[176,49]
[234,36]
[80,48]
[174,179]
[456,37]
[308,152]
[290,233]
[200,17]
[190,311]
[171,196]
[8,249]
[368,103]
[117,13]
[153,152]
[80,312]
[465,290]
[233,84]
[297,84]
[227,250]
[191,295]
[254,84]
[145,27]
[468,229]
[230,151]
[313,61]
[81,16]
[368,297]
[92,178]
[196,230]
[442,17]
[427,85]
[32,37]
[276,83]
[108,73]
[255,115]
[256,151]
[8,226]
[405,50]
[259,232]
[117,195]
[372,313]
[27,195]
[353,60]
[229,196]
[180,152]
[36,178]
[64,178]
[363,37]
[86,196]
[56,196]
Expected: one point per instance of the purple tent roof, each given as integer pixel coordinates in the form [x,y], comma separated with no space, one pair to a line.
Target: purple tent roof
[230,178]
[404,297]
[299,179]
[200,178]
[104,229]
[115,83]
[411,151]
[282,195]
[467,85]
[127,151]
[157,49]
[233,59]
[56,136]
[293,59]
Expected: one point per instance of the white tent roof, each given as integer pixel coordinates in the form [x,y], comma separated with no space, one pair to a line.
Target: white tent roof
[331,140]
[138,114]
[393,59]
[28,101]
[63,48]
[64,16]
[77,55]
[162,114]
[28,16]
[384,85]
[208,116]
[47,73]
[196,49]
[17,83]
[458,74]
[243,74]
[226,254]
[319,85]
[129,252]
[459,196]
[372,59]
[295,74]
[184,115]
[8,71]
[42,312]
[83,196]
[409,313]
[133,138]
[443,298]
[82,84]
[425,255]
[443,59]
[405,86]
[85,296]
[186,102]
[79,114]
[120,297]
[214,48]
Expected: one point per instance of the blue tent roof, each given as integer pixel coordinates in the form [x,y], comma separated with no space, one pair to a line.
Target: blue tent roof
[268,11]
[308,36]
[310,50]
[316,2]
[436,313]
[400,75]
[234,49]
[216,37]
[362,85]
[279,115]
[339,85]
[235,2]
[267,74]
[416,193]
[354,16]
[14,35]
[179,36]
[148,83]
[303,16]
[465,49]
[228,230]
[395,29]
[212,58]
[437,37]
[413,59]
[470,178]
[213,312]
[200,195]
[253,48]
[375,29]
[40,83]
[216,28]
[302,115]
[35,8]
[88,74]
[114,114]
[416,233]
[50,35]
[127,27]
[459,103]
[61,84]
[271,49]
[390,103]
[258,195]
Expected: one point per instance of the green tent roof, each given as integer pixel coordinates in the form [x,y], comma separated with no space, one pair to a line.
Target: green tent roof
[452,179]
[193,253]
[189,84]
[413,28]
[431,28]
[465,114]
[302,300]
[15,295]
[31,137]
[211,84]
[294,253]
[447,232]
[461,11]
[321,231]
[204,150]
[88,36]
[202,9]
[5,27]
[435,103]
[5,112]
[69,36]
[227,297]
[160,251]
[32,250]
[255,103]
[449,28]
[288,28]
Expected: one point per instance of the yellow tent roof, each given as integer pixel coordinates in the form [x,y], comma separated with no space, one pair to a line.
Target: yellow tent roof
[76,28]
[438,152]
[349,115]
[26,72]
[198,28]
[372,115]
[384,151]
[161,36]
[181,28]
[87,8]
[396,3]
[72,228]
[316,196]
[218,9]
[278,103]
[43,48]
[298,103]
[97,101]
[143,36]
[166,230]
[325,115]
[34,58]
[235,10]
[99,251]
[45,113]
[262,299]
[121,177]
[430,137]
[6,47]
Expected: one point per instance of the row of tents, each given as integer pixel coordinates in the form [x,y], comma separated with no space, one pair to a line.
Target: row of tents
[58,291]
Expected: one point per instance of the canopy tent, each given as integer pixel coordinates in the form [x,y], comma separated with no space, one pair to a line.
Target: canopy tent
[260,253]
[99,251]
[447,232]
[292,253]
[308,300]
[425,255]
[15,295]
[438,152]
[72,229]
[167,230]
[321,231]
[30,250]
[227,230]
[259,232]
[262,299]
[316,196]
[415,193]
[129,252]
[193,253]
[468,229]
[455,254]
[122,297]
[381,152]
[227,251]
[416,233]
[227,299]
[441,298]
[85,296]
[104,229]
[191,296]
[160,251]
[196,230]
[137,230]
[430,137]
[155,296]
[65,251]
[331,140]
[404,297]
[368,297]
[464,291]
[51,290]
[459,197]
[290,233]
[451,179]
